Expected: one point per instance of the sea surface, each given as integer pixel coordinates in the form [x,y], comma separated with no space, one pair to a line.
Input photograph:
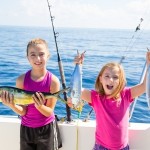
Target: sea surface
[101,45]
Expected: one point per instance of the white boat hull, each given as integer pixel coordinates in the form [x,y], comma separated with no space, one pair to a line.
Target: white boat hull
[139,135]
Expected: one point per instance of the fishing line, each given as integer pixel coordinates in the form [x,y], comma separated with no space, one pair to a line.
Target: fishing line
[138,32]
[132,41]
[61,70]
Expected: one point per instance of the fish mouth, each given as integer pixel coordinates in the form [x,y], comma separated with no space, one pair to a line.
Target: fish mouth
[79,106]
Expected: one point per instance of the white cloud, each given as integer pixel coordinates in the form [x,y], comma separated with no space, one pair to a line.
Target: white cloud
[81,13]
[87,14]
[34,7]
[139,6]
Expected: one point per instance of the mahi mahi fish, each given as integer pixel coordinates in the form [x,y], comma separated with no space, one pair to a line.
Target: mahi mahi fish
[76,88]
[148,86]
[24,97]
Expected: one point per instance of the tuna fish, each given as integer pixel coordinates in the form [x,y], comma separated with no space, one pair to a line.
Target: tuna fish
[76,87]
[132,107]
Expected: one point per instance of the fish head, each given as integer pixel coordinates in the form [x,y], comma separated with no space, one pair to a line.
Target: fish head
[78,107]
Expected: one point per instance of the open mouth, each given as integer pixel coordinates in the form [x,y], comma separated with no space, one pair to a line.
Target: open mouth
[110,87]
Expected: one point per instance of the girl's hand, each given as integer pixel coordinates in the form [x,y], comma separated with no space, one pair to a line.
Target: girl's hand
[39,99]
[69,102]
[7,99]
[79,58]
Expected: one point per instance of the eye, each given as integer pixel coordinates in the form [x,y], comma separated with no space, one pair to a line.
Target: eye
[106,76]
[32,55]
[115,77]
[41,54]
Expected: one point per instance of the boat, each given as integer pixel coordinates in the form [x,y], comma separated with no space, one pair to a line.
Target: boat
[76,135]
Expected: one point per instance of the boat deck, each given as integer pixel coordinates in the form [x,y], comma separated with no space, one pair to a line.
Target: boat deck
[139,134]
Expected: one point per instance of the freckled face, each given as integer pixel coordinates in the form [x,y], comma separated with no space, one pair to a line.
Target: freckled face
[38,56]
[110,79]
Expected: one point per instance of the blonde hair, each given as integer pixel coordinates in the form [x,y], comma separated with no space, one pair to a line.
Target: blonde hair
[35,42]
[122,80]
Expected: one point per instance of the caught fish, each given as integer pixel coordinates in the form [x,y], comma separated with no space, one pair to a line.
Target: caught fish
[76,88]
[132,107]
[148,86]
[23,97]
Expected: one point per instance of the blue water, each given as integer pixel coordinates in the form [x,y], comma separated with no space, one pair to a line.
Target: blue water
[101,45]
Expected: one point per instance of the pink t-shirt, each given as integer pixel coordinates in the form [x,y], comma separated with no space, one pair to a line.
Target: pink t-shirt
[112,119]
[33,118]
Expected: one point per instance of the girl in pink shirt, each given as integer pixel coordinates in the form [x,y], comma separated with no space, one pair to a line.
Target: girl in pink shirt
[111,101]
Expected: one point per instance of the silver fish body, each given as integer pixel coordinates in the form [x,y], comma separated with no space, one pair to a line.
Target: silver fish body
[23,97]
[132,106]
[148,86]
[76,88]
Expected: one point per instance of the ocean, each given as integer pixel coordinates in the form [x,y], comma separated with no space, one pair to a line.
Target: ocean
[101,45]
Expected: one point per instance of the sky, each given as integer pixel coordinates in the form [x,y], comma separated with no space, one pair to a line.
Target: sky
[122,14]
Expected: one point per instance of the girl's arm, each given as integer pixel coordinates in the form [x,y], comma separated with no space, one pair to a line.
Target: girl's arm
[47,109]
[139,89]
[8,99]
[86,95]
[20,109]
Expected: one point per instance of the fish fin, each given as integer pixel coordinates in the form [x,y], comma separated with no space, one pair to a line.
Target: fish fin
[57,94]
[62,91]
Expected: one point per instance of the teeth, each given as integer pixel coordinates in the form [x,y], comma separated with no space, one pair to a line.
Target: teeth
[37,63]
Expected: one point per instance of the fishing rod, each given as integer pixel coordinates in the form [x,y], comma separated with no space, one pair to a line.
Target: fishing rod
[132,106]
[131,40]
[120,62]
[88,116]
[61,70]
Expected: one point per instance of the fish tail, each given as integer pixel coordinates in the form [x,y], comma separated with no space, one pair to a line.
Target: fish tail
[61,99]
[57,94]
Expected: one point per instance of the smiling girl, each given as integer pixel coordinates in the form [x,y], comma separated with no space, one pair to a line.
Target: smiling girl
[111,102]
[39,130]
